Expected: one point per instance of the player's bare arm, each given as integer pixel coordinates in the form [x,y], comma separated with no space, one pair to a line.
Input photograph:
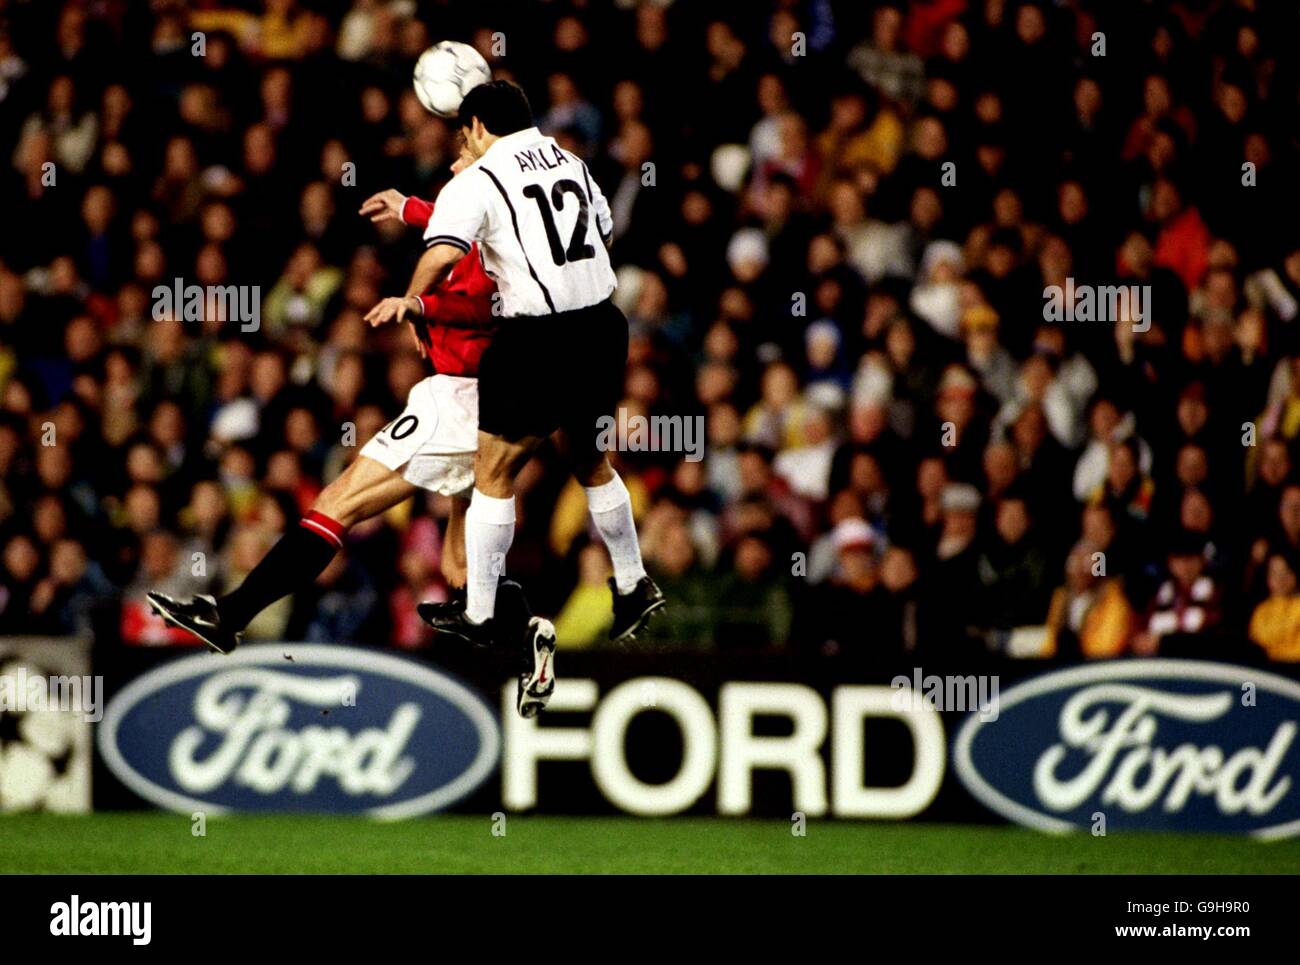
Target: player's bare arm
[433,267]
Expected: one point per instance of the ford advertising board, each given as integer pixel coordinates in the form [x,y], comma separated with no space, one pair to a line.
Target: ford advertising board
[1148,744]
[308,728]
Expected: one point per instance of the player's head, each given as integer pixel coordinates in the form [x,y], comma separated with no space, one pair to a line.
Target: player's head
[493,110]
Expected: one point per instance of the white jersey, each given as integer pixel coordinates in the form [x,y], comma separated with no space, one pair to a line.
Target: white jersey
[540,221]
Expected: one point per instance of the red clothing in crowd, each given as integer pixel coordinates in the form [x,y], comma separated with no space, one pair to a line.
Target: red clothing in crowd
[1184,247]
[926,22]
[459,314]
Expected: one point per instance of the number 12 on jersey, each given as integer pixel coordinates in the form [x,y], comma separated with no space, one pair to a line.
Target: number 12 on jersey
[578,248]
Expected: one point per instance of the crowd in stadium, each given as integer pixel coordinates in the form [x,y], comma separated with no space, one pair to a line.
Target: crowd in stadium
[835,222]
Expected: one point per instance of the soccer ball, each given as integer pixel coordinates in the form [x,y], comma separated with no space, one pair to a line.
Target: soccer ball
[445,73]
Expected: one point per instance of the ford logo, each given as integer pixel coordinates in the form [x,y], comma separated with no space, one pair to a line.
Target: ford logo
[300,728]
[1149,744]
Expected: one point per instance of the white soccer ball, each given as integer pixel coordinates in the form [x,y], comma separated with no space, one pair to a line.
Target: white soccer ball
[445,73]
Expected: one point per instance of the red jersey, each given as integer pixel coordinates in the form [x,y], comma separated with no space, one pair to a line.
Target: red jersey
[459,320]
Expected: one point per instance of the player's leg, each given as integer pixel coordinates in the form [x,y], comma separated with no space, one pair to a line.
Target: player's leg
[490,519]
[516,410]
[453,545]
[610,507]
[365,489]
[489,531]
[486,536]
[635,595]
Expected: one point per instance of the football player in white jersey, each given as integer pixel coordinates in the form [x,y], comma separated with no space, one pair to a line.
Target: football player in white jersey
[543,228]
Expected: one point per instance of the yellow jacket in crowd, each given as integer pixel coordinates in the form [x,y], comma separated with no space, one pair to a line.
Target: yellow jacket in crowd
[1275,626]
[1106,624]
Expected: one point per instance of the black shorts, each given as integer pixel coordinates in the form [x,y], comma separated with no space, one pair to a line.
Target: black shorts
[548,372]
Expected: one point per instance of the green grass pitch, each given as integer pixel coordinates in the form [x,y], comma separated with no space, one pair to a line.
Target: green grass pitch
[156,843]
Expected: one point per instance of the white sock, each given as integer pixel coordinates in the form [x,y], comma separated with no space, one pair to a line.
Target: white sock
[611,510]
[489,531]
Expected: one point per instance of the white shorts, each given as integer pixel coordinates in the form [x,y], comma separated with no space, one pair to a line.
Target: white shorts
[433,441]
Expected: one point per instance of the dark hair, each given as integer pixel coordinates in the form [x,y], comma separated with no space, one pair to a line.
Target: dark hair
[501,106]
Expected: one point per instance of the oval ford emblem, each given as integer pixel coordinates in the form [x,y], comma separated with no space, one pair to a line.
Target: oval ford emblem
[1150,744]
[335,729]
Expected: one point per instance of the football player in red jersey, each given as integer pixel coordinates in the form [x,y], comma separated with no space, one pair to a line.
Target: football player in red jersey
[429,446]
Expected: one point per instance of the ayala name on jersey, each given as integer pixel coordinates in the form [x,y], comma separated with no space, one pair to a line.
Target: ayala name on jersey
[537,160]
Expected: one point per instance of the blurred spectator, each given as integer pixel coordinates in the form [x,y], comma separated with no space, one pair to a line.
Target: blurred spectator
[672,559]
[752,609]
[1088,614]
[848,610]
[882,61]
[586,616]
[1275,624]
[1013,570]
[1188,602]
